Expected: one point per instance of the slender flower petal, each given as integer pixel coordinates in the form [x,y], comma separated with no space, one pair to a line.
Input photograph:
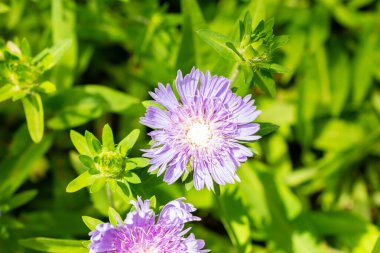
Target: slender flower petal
[200,131]
[143,232]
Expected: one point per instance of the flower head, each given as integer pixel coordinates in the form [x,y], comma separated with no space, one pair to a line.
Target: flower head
[141,232]
[203,129]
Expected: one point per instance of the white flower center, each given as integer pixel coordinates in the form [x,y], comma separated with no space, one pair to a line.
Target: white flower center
[145,249]
[199,134]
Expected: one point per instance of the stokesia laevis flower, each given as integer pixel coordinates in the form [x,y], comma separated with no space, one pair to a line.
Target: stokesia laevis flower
[145,232]
[204,129]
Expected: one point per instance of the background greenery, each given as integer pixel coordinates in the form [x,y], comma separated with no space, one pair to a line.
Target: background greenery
[314,185]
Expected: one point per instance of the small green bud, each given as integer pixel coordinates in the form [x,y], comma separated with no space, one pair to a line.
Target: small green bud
[110,164]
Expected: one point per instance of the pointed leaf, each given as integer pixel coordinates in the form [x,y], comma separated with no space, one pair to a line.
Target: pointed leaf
[139,161]
[21,199]
[376,248]
[129,166]
[83,180]
[127,143]
[54,245]
[263,79]
[148,103]
[49,57]
[88,162]
[47,87]
[80,143]
[125,188]
[219,43]
[132,178]
[266,128]
[34,116]
[114,216]
[6,92]
[90,222]
[25,47]
[107,138]
[4,8]
[98,184]
[93,143]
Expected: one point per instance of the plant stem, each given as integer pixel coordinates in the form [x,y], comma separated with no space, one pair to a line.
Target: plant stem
[109,195]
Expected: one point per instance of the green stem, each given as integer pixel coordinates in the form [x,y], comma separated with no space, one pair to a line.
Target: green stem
[109,196]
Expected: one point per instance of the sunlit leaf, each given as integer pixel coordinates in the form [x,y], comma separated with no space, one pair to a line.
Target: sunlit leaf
[54,245]
[90,222]
[127,143]
[34,116]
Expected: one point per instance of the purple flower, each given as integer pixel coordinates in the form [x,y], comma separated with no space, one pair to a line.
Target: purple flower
[141,232]
[204,129]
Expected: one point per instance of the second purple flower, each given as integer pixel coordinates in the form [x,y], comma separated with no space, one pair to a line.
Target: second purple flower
[202,130]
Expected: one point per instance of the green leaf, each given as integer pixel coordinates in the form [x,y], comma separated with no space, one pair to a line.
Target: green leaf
[34,116]
[234,217]
[125,188]
[219,43]
[114,216]
[148,103]
[49,57]
[20,199]
[76,106]
[4,8]
[189,185]
[90,222]
[107,138]
[47,87]
[376,248]
[139,161]
[88,162]
[132,177]
[266,128]
[190,50]
[98,184]
[279,41]
[246,28]
[93,143]
[16,169]
[54,245]
[6,92]
[83,180]
[129,166]
[127,143]
[276,68]
[80,143]
[25,48]
[263,79]
[153,202]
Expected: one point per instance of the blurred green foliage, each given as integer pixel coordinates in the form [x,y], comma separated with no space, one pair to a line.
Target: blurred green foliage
[314,185]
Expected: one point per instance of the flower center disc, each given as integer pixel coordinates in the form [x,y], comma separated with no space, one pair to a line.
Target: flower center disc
[199,134]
